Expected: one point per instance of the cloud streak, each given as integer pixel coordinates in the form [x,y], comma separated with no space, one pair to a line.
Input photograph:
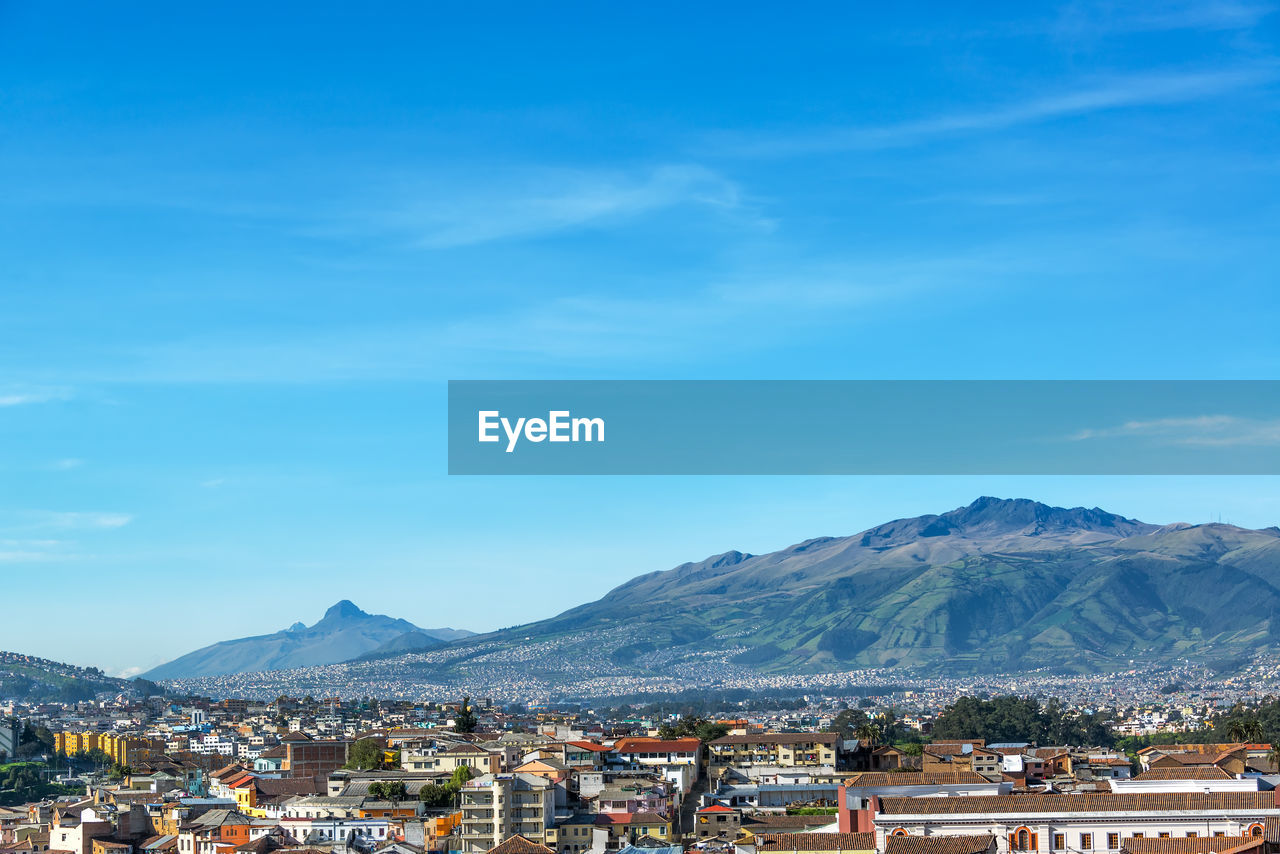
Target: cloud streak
[1207,431]
[733,313]
[28,397]
[536,203]
[1133,91]
[82,520]
[1094,19]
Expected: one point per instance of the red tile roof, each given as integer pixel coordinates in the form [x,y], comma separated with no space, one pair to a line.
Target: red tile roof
[1189,772]
[914,778]
[976,844]
[656,745]
[1191,845]
[815,841]
[520,845]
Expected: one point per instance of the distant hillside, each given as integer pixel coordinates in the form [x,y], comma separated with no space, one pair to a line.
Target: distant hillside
[28,679]
[345,632]
[999,585]
[402,644]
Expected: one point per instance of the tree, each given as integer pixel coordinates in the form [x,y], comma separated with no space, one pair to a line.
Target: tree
[465,720]
[366,755]
[1021,719]
[868,733]
[437,794]
[694,727]
[847,722]
[396,791]
[434,794]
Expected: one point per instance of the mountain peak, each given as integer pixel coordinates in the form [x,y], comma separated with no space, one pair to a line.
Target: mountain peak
[1023,514]
[345,609]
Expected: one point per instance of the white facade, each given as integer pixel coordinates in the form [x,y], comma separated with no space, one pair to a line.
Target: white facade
[1092,825]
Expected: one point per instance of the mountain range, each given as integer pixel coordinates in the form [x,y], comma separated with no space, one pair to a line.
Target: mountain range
[1000,585]
[344,633]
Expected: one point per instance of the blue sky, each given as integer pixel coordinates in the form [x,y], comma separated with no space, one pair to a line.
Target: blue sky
[243,248]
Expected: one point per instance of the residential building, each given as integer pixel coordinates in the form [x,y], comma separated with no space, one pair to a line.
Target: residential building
[498,806]
[1045,823]
[781,749]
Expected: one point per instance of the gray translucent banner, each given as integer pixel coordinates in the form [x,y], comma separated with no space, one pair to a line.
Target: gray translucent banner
[864,427]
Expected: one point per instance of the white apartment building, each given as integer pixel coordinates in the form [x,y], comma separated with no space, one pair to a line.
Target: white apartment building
[1075,823]
[498,806]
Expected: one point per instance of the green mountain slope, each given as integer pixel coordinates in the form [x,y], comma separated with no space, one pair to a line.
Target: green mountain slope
[29,679]
[998,585]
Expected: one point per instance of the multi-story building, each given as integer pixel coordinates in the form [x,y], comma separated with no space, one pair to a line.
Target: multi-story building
[657,751]
[498,806]
[1067,824]
[10,733]
[307,757]
[943,756]
[447,760]
[75,829]
[777,749]
[121,749]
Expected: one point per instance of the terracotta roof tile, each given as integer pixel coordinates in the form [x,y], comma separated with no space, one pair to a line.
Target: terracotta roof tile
[977,844]
[520,845]
[914,778]
[1189,772]
[656,745]
[1191,845]
[815,841]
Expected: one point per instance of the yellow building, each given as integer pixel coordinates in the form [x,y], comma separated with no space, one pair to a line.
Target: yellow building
[122,749]
[72,743]
[776,749]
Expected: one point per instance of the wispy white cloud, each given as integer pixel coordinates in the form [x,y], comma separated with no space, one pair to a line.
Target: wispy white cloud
[26,397]
[90,520]
[1091,18]
[66,464]
[438,213]
[1203,431]
[31,550]
[579,200]
[1116,93]
[735,312]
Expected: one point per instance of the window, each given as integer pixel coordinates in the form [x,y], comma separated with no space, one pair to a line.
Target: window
[1219,833]
[1191,834]
[1059,841]
[1086,842]
[1113,841]
[1164,835]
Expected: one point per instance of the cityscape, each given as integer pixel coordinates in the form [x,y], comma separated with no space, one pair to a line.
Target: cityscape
[640,428]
